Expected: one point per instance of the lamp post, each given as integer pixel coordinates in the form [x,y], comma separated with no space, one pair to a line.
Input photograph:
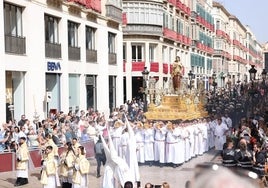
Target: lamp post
[145,74]
[214,84]
[191,76]
[252,75]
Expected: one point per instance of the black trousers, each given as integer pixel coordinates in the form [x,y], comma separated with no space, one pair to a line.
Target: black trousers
[101,159]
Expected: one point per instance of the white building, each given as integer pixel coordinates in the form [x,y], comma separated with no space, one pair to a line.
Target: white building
[60,55]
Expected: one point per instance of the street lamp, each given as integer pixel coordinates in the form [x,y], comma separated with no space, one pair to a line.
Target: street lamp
[252,72]
[145,75]
[191,76]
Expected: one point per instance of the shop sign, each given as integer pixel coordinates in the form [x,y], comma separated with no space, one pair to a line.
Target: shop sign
[53,66]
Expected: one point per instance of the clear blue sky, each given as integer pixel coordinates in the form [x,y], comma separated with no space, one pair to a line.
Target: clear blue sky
[250,12]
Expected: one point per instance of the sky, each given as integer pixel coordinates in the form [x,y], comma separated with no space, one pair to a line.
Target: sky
[252,13]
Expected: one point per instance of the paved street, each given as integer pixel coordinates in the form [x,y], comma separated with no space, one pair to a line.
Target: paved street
[175,177]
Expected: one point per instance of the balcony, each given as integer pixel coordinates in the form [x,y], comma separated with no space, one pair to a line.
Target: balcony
[112,58]
[193,15]
[91,56]
[143,29]
[114,12]
[93,5]
[170,34]
[218,53]
[52,50]
[138,66]
[154,67]
[74,53]
[15,44]
[165,68]
[173,2]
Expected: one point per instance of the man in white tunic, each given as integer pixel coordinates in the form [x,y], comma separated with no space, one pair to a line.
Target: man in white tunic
[220,134]
[172,147]
[159,143]
[139,135]
[116,133]
[149,143]
[187,145]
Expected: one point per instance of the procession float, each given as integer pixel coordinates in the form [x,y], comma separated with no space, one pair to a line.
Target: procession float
[181,101]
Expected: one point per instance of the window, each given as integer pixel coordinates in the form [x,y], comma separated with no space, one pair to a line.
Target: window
[164,54]
[217,24]
[13,20]
[137,51]
[72,34]
[51,29]
[90,38]
[112,92]
[124,52]
[171,55]
[152,52]
[111,42]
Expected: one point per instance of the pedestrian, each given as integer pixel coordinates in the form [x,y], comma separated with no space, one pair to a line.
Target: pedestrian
[49,176]
[81,169]
[99,155]
[128,184]
[22,155]
[165,185]
[220,134]
[244,156]
[228,154]
[66,165]
[148,185]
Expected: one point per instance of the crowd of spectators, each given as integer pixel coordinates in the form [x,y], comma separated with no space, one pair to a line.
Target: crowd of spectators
[83,125]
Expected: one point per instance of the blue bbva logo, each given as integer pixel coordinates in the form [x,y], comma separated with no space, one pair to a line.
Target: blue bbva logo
[52,66]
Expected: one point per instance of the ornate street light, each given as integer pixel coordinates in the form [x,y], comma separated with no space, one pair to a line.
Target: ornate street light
[145,75]
[191,76]
[252,72]
[252,91]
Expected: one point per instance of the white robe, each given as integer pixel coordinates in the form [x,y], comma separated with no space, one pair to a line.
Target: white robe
[139,135]
[181,145]
[133,163]
[159,145]
[116,134]
[220,137]
[149,144]
[187,145]
[23,173]
[172,148]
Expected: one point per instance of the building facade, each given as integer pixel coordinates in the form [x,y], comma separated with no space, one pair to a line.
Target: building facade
[206,37]
[59,55]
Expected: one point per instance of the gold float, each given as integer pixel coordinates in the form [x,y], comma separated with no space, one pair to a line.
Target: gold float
[178,107]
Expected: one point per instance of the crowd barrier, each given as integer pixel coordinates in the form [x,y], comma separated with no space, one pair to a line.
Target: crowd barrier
[8,162]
